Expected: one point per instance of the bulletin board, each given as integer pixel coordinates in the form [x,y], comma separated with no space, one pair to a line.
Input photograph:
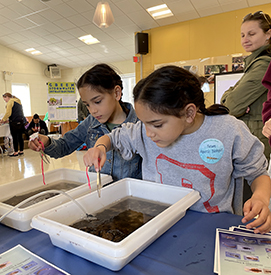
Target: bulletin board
[62,101]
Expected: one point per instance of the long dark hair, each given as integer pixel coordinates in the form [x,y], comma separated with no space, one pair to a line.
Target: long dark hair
[169,89]
[100,77]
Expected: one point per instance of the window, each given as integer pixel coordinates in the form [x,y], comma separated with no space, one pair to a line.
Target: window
[23,93]
[128,81]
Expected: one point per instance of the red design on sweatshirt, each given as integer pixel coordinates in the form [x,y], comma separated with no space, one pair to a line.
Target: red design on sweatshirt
[185,183]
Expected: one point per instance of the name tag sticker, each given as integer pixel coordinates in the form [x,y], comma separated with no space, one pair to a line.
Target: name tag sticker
[211,150]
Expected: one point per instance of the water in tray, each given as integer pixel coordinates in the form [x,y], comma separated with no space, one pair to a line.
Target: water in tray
[58,185]
[120,219]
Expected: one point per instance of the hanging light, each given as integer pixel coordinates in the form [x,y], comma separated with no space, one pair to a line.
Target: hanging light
[103,16]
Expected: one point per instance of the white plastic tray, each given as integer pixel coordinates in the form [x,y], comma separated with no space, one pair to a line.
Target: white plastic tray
[20,218]
[113,255]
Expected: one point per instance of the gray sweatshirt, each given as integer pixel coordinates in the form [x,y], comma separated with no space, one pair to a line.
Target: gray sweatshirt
[211,160]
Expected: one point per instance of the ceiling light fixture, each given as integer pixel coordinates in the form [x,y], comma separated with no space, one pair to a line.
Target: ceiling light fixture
[89,39]
[160,11]
[103,16]
[33,51]
[30,50]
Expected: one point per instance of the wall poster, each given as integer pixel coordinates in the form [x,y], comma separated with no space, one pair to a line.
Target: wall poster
[62,101]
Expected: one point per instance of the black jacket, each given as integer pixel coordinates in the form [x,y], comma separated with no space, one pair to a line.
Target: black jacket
[41,124]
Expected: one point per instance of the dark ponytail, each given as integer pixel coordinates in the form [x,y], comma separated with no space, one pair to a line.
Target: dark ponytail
[169,89]
[215,109]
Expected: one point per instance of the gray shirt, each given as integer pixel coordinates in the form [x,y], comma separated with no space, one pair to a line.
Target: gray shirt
[211,160]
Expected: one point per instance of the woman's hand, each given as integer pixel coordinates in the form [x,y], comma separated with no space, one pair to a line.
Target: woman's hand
[257,208]
[95,156]
[3,121]
[267,128]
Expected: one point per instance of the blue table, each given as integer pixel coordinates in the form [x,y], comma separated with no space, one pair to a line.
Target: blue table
[187,248]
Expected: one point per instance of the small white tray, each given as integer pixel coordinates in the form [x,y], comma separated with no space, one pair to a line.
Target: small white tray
[115,255]
[20,218]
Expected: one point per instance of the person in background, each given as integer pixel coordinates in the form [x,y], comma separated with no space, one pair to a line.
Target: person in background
[245,99]
[37,126]
[266,112]
[208,71]
[184,144]
[100,89]
[82,110]
[15,115]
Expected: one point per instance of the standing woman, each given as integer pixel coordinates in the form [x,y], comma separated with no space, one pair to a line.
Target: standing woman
[245,100]
[14,113]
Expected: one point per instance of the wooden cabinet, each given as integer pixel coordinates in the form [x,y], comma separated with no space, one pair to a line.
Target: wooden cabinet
[67,126]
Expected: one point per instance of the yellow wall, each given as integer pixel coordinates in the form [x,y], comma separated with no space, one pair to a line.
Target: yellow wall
[217,35]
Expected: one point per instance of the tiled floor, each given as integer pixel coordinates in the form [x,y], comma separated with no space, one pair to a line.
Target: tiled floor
[29,164]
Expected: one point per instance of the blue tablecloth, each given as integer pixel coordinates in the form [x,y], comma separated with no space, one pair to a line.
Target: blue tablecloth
[186,248]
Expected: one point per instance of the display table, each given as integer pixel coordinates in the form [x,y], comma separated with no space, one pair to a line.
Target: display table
[187,248]
[4,130]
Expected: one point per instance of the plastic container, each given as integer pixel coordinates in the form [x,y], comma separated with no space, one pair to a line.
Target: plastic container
[112,255]
[20,218]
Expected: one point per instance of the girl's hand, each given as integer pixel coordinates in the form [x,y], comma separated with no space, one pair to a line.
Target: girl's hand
[93,155]
[267,128]
[35,145]
[257,208]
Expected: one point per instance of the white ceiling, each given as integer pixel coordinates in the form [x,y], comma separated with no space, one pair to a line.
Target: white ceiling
[53,26]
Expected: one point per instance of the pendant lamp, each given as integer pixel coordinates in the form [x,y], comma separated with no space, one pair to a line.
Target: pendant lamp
[103,16]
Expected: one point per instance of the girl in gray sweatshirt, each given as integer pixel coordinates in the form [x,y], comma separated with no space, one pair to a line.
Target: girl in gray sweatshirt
[183,143]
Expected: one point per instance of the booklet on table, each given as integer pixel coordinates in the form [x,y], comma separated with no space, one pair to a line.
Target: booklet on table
[240,251]
[19,260]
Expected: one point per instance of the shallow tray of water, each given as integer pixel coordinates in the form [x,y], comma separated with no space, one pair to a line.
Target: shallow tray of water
[127,197]
[60,185]
[73,182]
[120,219]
